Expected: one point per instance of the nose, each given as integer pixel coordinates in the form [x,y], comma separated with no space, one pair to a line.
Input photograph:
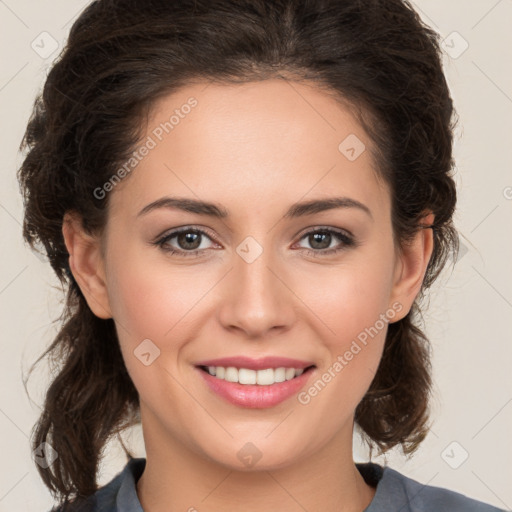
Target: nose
[256,298]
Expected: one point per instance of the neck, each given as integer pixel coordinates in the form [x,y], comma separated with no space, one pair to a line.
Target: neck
[178,479]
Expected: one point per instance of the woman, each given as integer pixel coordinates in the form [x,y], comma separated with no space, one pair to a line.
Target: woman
[246,200]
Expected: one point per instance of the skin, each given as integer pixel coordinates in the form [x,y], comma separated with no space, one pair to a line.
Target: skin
[255,149]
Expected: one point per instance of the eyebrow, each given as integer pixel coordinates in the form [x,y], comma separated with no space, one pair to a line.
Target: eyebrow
[216,210]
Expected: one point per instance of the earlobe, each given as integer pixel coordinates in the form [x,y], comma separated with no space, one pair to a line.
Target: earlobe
[86,264]
[411,266]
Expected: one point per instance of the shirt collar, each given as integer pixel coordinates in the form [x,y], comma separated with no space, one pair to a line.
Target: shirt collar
[127,499]
[390,493]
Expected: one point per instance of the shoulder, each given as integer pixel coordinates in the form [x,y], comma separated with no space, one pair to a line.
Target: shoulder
[420,497]
[117,495]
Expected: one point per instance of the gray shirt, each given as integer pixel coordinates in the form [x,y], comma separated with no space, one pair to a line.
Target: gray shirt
[394,493]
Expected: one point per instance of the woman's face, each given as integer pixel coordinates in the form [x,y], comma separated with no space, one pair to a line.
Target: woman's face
[271,278]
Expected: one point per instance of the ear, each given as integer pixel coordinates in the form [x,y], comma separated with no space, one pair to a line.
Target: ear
[86,264]
[411,265]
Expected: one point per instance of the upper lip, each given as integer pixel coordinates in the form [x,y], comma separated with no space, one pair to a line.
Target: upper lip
[256,364]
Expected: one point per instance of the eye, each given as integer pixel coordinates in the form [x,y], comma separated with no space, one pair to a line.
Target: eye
[321,240]
[188,241]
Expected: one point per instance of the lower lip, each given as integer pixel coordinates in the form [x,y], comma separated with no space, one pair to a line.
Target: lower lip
[255,396]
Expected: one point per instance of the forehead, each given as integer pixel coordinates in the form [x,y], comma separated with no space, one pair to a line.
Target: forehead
[269,141]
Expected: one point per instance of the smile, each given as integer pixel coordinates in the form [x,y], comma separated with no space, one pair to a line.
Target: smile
[255,389]
[265,377]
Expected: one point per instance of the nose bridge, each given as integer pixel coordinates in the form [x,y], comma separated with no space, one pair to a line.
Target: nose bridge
[252,266]
[255,299]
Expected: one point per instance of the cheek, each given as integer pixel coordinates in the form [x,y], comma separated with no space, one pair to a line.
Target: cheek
[351,298]
[152,302]
[351,306]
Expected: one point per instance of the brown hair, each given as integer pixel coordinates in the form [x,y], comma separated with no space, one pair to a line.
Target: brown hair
[121,56]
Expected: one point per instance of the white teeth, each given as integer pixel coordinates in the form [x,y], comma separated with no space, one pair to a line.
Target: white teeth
[290,373]
[265,377]
[279,374]
[231,374]
[246,376]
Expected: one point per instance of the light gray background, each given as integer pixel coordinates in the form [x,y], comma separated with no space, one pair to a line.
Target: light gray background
[470,309]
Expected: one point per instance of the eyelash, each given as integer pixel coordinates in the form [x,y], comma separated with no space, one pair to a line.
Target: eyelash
[346,242]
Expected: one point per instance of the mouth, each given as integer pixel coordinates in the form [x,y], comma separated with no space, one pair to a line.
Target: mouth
[255,389]
[248,377]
